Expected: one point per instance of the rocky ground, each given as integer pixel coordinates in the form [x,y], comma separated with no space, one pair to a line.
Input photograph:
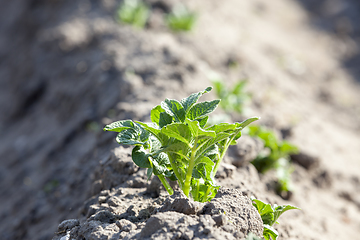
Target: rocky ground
[67,68]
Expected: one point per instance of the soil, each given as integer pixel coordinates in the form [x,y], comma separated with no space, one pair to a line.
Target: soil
[67,68]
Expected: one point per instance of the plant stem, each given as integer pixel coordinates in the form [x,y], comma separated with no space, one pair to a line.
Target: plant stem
[206,194]
[190,169]
[177,174]
[223,153]
[197,190]
[166,184]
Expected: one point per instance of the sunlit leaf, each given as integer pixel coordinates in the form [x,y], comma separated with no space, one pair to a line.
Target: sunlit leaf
[174,109]
[202,109]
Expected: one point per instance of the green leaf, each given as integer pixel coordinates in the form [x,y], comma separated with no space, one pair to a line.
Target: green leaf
[149,173]
[151,127]
[265,210]
[119,126]
[188,102]
[165,119]
[269,214]
[267,136]
[208,143]
[236,137]
[202,109]
[269,231]
[281,209]
[162,159]
[222,127]
[132,136]
[174,109]
[197,131]
[179,148]
[160,163]
[246,122]
[141,157]
[155,114]
[220,88]
[179,131]
[254,130]
[155,144]
[171,175]
[203,121]
[180,19]
[207,191]
[180,164]
[135,13]
[212,152]
[154,130]
[203,168]
[288,148]
[239,87]
[204,160]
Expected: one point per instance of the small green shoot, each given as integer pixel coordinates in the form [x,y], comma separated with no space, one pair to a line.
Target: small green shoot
[269,215]
[133,12]
[277,157]
[233,99]
[277,149]
[177,145]
[180,19]
[284,170]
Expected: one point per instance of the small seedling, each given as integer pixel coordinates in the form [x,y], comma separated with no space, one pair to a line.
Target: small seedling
[283,171]
[133,12]
[277,149]
[177,145]
[277,157]
[269,215]
[180,19]
[233,99]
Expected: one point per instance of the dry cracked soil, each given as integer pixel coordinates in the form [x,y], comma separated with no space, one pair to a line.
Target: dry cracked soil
[67,68]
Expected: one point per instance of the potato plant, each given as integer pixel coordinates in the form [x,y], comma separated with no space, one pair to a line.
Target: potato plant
[277,149]
[180,19]
[133,12]
[277,157]
[233,99]
[269,215]
[177,145]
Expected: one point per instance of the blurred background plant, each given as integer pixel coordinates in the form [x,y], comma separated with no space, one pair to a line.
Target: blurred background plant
[181,19]
[233,99]
[133,12]
[276,155]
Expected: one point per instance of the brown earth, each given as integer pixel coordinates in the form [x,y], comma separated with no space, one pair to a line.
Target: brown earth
[67,68]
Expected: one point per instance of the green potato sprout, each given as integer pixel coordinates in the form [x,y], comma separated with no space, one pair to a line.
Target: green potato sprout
[133,12]
[269,215]
[178,145]
[180,19]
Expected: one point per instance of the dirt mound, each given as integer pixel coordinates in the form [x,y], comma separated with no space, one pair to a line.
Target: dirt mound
[128,211]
